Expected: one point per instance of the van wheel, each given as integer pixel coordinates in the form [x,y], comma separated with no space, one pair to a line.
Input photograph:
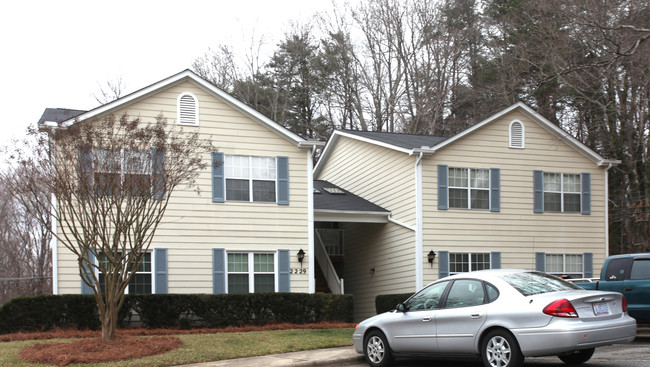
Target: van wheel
[376,349]
[500,349]
[577,356]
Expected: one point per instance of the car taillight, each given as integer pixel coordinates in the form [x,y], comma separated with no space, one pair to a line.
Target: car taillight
[624,304]
[561,308]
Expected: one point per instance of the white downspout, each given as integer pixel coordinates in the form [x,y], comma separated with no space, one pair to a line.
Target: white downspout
[310,221]
[55,251]
[607,209]
[419,278]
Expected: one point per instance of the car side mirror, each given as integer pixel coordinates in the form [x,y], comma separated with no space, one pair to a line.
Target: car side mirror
[401,307]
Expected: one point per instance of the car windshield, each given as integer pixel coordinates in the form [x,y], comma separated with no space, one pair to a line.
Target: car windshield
[532,283]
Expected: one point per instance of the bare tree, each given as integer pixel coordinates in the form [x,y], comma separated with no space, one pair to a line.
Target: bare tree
[111,181]
[114,89]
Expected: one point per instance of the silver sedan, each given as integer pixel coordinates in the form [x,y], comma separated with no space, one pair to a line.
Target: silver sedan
[500,316]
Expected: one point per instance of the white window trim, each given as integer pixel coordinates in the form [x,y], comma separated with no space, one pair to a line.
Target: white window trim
[523,135]
[250,179]
[251,269]
[469,188]
[562,191]
[564,265]
[196,109]
[469,261]
[153,273]
[148,169]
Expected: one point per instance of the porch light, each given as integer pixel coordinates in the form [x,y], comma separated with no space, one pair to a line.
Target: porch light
[301,256]
[431,256]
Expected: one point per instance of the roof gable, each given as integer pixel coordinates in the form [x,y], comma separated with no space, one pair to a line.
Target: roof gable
[188,75]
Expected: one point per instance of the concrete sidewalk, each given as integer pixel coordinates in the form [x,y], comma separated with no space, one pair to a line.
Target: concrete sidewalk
[341,356]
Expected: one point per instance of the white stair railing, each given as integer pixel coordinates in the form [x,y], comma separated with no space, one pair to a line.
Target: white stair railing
[333,281]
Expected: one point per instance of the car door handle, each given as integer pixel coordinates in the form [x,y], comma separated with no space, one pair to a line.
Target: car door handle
[627,289]
[475,315]
[427,318]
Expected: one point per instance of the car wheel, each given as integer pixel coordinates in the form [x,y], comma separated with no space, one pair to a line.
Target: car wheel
[376,349]
[500,349]
[577,356]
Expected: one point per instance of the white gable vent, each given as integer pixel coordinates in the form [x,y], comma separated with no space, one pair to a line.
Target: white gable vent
[516,134]
[188,109]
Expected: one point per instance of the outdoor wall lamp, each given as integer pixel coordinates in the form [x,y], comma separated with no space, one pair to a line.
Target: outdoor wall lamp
[430,257]
[301,256]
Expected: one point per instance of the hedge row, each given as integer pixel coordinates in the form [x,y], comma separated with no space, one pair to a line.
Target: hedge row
[387,302]
[42,313]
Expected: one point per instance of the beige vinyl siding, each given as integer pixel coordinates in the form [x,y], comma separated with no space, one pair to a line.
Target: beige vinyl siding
[515,231]
[388,248]
[381,175]
[193,225]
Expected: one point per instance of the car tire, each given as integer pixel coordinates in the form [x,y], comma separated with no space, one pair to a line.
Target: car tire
[577,356]
[376,349]
[500,349]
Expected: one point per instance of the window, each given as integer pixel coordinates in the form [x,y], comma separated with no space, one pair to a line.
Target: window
[250,178]
[640,270]
[531,283]
[469,188]
[466,262]
[561,192]
[465,293]
[141,283]
[517,134]
[428,298]
[117,170]
[251,272]
[564,265]
[188,109]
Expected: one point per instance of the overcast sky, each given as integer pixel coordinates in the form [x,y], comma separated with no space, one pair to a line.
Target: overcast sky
[58,53]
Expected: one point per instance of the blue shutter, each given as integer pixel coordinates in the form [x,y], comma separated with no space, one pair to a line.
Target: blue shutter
[218,270]
[283,180]
[538,188]
[443,264]
[160,263]
[588,263]
[495,189]
[586,193]
[158,173]
[540,261]
[87,269]
[85,169]
[283,271]
[218,179]
[495,260]
[443,187]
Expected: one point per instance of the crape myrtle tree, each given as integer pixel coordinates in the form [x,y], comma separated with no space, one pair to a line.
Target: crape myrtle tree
[110,181]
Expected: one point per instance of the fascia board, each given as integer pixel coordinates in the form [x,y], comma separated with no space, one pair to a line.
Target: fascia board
[200,82]
[322,215]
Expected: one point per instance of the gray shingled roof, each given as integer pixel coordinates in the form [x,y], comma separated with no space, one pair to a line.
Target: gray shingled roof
[407,141]
[345,201]
[58,114]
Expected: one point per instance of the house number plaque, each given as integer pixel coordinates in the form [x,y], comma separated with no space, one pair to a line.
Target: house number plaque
[299,271]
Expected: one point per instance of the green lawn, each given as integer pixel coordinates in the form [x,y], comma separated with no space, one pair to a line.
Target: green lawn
[212,347]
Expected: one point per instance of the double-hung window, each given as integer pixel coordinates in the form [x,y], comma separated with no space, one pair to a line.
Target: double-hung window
[565,264]
[561,192]
[463,262]
[250,178]
[251,272]
[117,170]
[469,188]
[141,282]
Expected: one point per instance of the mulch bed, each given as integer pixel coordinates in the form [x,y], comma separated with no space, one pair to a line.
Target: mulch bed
[96,350]
[127,344]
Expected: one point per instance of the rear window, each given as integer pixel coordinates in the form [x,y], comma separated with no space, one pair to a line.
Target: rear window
[532,283]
